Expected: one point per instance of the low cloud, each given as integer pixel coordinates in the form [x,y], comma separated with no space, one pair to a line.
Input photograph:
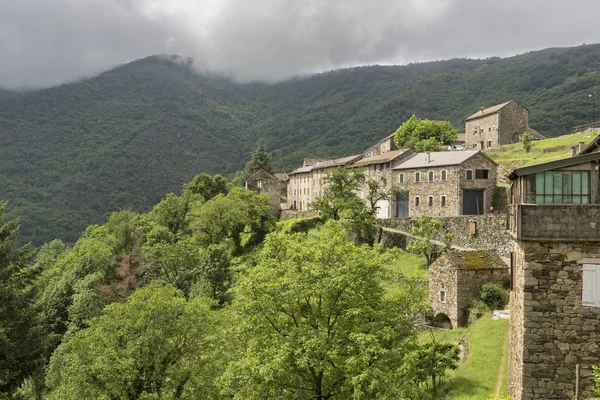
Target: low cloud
[48,42]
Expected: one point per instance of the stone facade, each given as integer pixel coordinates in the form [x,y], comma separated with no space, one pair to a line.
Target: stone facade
[489,233]
[456,278]
[554,222]
[497,125]
[273,185]
[438,190]
[552,333]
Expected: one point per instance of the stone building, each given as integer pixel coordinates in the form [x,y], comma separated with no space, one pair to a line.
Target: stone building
[273,185]
[456,278]
[378,168]
[554,223]
[494,126]
[444,184]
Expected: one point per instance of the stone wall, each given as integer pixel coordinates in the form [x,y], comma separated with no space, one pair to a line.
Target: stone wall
[442,275]
[558,222]
[491,234]
[513,121]
[551,332]
[469,283]
[484,129]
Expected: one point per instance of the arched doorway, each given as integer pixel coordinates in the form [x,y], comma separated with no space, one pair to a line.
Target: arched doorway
[441,320]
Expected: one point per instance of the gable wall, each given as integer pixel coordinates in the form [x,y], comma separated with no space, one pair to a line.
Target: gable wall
[483,129]
[513,121]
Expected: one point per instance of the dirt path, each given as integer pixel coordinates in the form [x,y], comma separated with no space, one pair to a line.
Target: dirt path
[503,367]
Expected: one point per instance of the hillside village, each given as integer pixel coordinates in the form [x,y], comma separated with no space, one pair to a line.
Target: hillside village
[552,243]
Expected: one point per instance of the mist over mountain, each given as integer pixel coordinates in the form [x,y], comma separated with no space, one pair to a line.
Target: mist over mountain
[72,153]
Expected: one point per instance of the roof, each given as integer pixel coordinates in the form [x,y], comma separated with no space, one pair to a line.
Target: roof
[260,172]
[489,110]
[536,134]
[282,176]
[380,158]
[474,260]
[302,170]
[439,159]
[592,146]
[336,162]
[548,166]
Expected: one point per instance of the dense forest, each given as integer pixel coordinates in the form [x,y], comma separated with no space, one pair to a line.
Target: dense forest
[71,154]
[207,297]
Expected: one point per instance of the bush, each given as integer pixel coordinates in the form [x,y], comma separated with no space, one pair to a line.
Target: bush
[298,225]
[477,309]
[494,296]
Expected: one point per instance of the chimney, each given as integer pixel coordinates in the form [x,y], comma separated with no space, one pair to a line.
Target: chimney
[481,109]
[574,150]
[427,158]
[580,147]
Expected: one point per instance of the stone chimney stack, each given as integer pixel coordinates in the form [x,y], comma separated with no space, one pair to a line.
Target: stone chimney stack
[574,150]
[427,158]
[580,147]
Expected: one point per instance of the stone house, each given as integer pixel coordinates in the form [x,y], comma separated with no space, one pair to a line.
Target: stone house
[456,278]
[554,224]
[273,185]
[307,182]
[379,168]
[444,184]
[494,126]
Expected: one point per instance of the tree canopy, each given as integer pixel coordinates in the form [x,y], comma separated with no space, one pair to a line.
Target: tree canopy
[260,160]
[425,134]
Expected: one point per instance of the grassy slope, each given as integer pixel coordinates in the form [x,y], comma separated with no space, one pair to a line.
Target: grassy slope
[478,376]
[513,155]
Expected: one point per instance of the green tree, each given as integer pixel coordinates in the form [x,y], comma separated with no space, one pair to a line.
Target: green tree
[153,346]
[527,139]
[315,323]
[340,202]
[260,160]
[425,230]
[208,186]
[425,134]
[241,217]
[21,339]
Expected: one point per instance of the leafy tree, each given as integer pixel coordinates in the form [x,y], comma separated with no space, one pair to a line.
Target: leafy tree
[241,214]
[427,364]
[526,139]
[494,296]
[340,202]
[425,134]
[21,339]
[260,160]
[206,185]
[315,322]
[153,346]
[425,230]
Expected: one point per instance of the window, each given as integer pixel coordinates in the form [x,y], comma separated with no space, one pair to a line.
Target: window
[490,129]
[401,178]
[559,187]
[475,146]
[417,177]
[430,201]
[489,144]
[308,191]
[469,175]
[481,174]
[443,294]
[444,173]
[430,176]
[443,201]
[417,201]
[590,285]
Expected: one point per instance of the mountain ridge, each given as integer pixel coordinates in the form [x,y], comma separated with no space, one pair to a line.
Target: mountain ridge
[123,139]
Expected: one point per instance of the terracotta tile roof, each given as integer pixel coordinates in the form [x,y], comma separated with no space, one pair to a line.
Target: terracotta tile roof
[489,110]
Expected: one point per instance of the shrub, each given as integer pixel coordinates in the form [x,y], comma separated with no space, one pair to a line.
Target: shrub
[298,225]
[477,309]
[494,296]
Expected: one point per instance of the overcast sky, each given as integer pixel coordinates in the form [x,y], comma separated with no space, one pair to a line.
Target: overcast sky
[48,42]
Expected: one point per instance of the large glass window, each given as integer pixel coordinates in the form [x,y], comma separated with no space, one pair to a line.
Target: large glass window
[559,187]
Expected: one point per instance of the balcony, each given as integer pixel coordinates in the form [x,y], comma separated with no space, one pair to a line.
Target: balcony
[555,222]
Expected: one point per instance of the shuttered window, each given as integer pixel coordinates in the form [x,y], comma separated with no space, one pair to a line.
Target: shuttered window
[590,276]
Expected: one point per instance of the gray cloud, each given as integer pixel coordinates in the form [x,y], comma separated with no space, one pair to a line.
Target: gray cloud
[48,42]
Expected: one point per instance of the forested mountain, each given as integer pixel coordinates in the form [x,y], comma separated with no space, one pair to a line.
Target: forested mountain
[70,154]
[7,94]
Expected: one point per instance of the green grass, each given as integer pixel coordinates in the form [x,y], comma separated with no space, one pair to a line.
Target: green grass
[407,264]
[513,155]
[487,358]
